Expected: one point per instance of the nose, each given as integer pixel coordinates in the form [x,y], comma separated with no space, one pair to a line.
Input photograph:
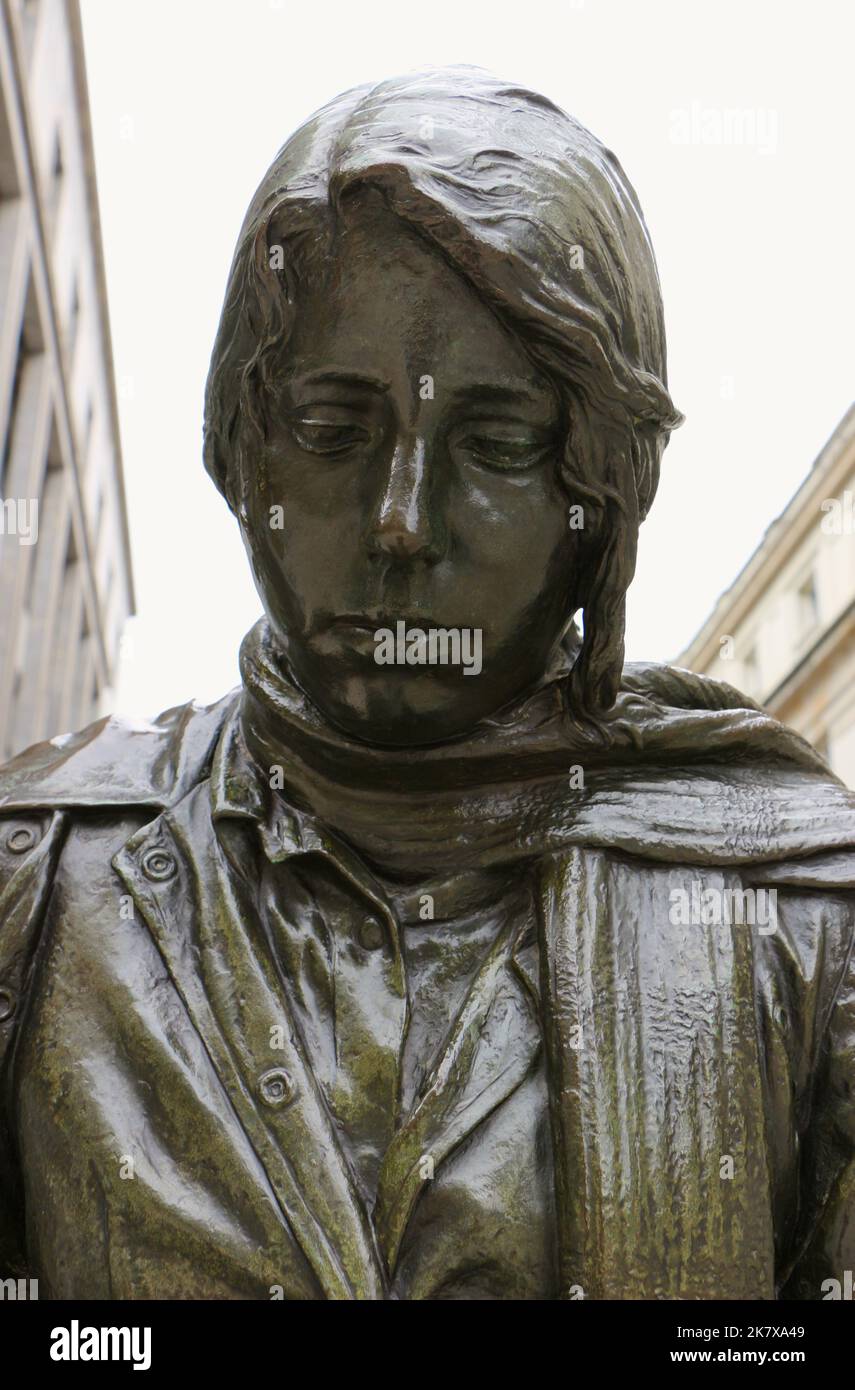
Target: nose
[402,529]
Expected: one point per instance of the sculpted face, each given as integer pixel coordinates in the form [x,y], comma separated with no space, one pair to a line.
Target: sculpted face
[413,448]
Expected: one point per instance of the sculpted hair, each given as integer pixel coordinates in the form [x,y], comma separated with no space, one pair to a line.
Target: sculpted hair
[541,220]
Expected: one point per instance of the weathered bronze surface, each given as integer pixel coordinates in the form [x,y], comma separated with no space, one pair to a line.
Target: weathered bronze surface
[389,978]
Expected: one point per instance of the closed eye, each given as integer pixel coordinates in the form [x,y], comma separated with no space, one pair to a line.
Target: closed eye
[505,453]
[319,434]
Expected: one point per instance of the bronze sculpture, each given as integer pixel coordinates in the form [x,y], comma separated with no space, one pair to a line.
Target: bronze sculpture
[398,978]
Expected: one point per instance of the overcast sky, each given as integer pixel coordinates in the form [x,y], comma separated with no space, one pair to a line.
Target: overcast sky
[753,234]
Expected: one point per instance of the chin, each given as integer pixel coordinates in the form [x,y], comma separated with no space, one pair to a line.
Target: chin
[404,714]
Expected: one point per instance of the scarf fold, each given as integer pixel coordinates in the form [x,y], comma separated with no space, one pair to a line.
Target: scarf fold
[687,770]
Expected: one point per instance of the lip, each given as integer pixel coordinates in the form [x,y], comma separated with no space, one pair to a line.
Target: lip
[371,622]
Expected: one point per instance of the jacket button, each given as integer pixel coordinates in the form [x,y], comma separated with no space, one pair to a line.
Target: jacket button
[158,865]
[371,934]
[276,1087]
[18,841]
[7,1004]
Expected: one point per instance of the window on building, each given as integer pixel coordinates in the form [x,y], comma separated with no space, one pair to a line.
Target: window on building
[73,317]
[750,672]
[807,613]
[53,191]
[9,184]
[29,10]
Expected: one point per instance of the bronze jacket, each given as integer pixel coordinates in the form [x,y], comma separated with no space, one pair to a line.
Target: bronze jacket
[701,1078]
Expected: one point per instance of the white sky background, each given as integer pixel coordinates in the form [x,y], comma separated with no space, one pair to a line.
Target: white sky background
[190,101]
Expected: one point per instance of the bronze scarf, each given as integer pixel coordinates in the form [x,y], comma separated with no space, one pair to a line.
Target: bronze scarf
[688,770]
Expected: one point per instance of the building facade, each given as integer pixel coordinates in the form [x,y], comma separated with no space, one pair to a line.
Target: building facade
[66,586]
[784,632]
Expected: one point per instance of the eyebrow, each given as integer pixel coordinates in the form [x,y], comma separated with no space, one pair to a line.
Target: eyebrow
[335,376]
[487,391]
[516,393]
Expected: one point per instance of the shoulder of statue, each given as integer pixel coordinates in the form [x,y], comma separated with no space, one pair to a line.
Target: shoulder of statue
[681,689]
[693,722]
[117,763]
[93,783]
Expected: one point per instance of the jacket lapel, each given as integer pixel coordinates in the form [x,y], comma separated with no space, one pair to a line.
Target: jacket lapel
[205,925]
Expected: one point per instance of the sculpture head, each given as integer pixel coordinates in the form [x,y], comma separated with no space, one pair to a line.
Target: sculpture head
[438,396]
